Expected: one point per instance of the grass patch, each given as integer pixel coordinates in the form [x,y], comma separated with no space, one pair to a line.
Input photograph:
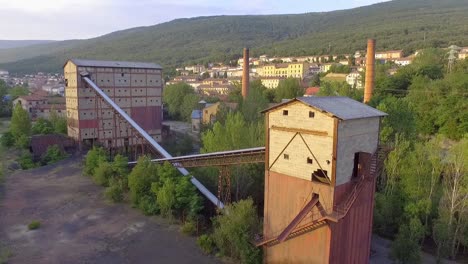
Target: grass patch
[34,225]
[5,254]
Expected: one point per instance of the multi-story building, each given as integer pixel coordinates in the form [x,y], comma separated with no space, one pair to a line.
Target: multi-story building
[135,87]
[39,104]
[271,82]
[295,70]
[355,80]
[389,55]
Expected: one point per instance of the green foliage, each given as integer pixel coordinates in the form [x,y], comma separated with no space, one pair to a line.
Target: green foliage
[17,91]
[120,166]
[189,228]
[116,189]
[335,88]
[288,89]
[140,182]
[234,229]
[94,157]
[103,173]
[206,244]
[52,155]
[34,225]
[5,254]
[189,103]
[59,123]
[315,81]
[26,161]
[234,134]
[338,68]
[400,120]
[255,102]
[7,139]
[180,100]
[406,247]
[42,126]
[20,125]
[166,197]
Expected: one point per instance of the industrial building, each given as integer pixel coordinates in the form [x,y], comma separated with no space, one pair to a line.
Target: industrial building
[319,185]
[136,87]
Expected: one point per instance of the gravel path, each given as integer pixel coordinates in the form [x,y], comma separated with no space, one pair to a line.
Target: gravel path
[79,226]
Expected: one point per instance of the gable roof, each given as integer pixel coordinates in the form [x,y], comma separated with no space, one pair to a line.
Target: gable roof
[115,64]
[342,107]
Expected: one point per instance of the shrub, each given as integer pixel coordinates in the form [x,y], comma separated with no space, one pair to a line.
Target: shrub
[34,225]
[140,180]
[52,155]
[22,141]
[103,173]
[26,161]
[7,139]
[148,205]
[115,191]
[42,126]
[189,228]
[166,197]
[234,230]
[94,157]
[206,244]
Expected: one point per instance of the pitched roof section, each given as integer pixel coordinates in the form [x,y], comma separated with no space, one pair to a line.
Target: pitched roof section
[342,107]
[115,64]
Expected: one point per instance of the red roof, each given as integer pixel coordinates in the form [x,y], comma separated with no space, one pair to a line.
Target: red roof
[312,90]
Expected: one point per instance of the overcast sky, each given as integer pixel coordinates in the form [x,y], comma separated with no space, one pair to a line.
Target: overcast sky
[72,19]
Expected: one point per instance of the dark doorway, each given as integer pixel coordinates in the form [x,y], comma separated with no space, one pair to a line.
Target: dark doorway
[356,165]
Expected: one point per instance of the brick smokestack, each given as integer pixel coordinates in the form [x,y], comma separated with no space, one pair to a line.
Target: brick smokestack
[245,75]
[370,70]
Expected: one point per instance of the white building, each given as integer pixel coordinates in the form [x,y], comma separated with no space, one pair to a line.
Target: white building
[355,80]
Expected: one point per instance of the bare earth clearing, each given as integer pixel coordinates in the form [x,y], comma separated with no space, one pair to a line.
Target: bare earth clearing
[79,226]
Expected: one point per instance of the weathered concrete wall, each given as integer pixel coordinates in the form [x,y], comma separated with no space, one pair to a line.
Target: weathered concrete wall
[356,135]
[289,151]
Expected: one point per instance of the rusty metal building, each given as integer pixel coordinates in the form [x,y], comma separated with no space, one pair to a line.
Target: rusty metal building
[320,158]
[134,86]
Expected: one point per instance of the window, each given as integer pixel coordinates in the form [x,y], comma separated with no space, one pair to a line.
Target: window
[320,176]
[285,112]
[122,74]
[286,156]
[309,160]
[311,114]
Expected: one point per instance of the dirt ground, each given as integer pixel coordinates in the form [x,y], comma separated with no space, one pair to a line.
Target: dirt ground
[79,226]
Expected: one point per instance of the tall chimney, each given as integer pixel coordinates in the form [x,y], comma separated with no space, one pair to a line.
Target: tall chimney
[370,70]
[245,75]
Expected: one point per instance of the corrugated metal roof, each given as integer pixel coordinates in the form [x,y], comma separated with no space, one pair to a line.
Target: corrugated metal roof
[342,107]
[115,64]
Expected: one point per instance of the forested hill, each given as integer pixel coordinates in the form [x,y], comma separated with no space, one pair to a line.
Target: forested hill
[8,44]
[399,24]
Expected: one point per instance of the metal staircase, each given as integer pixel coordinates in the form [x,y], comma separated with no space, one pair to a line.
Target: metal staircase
[339,212]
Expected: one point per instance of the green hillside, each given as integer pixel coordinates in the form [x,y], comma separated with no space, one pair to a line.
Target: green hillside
[399,24]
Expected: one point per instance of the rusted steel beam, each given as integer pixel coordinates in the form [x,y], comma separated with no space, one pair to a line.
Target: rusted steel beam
[309,206]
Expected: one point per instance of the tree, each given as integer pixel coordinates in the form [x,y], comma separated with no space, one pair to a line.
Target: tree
[255,102]
[94,157]
[288,89]
[189,103]
[234,229]
[315,80]
[400,119]
[174,96]
[406,247]
[59,123]
[140,181]
[20,122]
[42,126]
[334,88]
[17,91]
[452,225]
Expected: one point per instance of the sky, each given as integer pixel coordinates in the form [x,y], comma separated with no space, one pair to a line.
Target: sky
[82,19]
